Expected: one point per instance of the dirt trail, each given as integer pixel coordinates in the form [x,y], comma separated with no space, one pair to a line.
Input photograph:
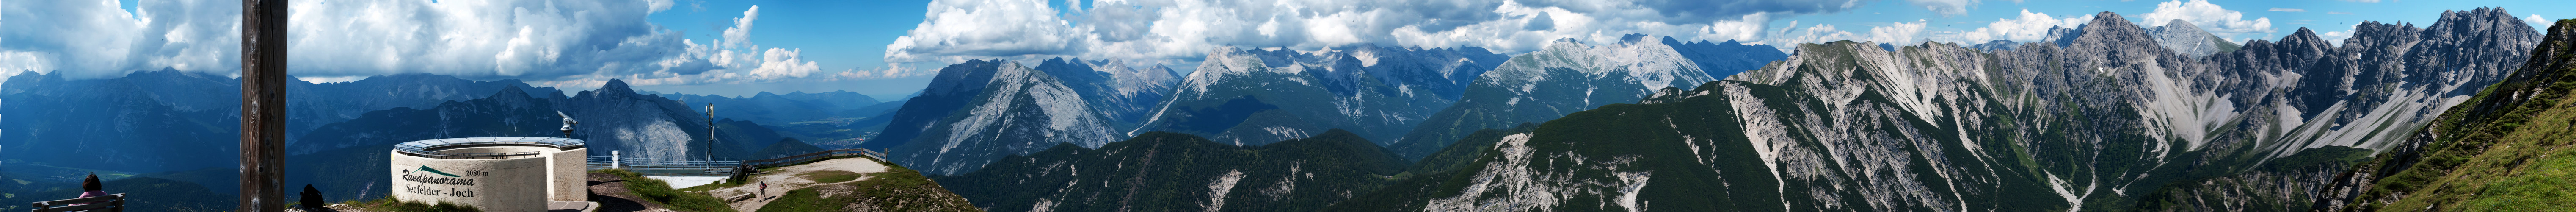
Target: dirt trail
[785,179]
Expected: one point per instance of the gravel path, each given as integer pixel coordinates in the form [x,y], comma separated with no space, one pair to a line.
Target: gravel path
[785,179]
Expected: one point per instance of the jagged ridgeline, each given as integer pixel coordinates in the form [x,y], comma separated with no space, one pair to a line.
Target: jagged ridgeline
[2505,150]
[2103,118]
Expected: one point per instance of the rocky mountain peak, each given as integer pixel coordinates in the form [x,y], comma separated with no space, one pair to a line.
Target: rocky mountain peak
[511,91]
[1564,44]
[1633,39]
[962,77]
[614,86]
[2305,37]
[2062,35]
[2183,37]
[2182,25]
[2109,30]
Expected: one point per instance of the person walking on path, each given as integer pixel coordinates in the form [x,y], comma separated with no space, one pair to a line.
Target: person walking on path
[764,190]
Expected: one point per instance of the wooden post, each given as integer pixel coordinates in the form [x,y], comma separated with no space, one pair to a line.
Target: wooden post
[263,121]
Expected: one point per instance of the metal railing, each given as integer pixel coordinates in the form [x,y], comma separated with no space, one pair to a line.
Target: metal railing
[810,157]
[714,167]
[667,166]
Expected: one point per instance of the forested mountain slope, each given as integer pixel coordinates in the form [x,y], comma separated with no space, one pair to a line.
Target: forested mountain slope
[1160,171]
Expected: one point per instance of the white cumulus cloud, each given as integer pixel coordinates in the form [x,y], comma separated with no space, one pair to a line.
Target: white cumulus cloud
[1898,33]
[1182,31]
[96,38]
[2027,27]
[546,42]
[2210,17]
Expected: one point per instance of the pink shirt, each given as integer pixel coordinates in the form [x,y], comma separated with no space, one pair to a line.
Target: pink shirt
[88,194]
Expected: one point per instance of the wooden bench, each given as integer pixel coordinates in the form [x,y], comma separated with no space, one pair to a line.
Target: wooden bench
[111,202]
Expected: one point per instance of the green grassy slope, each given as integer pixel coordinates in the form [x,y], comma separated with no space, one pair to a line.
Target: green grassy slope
[2506,150]
[898,189]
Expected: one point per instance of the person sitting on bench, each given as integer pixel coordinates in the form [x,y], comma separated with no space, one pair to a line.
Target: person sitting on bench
[90,188]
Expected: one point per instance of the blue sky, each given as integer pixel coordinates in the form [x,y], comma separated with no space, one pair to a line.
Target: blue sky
[887,48]
[838,34]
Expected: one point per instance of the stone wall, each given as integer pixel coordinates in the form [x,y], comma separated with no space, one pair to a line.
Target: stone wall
[569,183]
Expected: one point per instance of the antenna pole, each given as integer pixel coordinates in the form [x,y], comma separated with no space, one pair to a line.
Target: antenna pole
[263,121]
[711,130]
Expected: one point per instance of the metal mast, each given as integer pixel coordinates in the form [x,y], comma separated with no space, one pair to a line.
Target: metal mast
[711,130]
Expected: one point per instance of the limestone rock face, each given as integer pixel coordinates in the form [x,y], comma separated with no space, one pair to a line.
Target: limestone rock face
[2183,37]
[1011,110]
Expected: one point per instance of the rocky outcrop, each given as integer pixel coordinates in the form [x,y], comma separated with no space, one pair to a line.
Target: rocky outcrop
[2183,37]
[1122,93]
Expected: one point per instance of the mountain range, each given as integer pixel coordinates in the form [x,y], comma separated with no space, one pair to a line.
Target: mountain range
[2102,116]
[2107,115]
[1570,76]
[1258,96]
